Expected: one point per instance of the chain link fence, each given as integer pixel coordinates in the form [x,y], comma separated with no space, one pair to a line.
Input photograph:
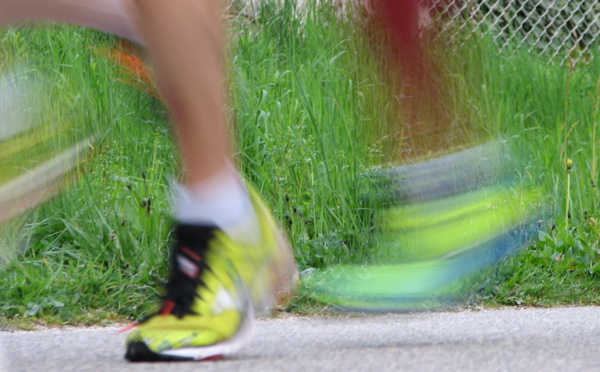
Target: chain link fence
[561,28]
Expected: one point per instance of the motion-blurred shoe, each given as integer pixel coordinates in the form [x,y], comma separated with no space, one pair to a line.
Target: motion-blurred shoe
[217,285]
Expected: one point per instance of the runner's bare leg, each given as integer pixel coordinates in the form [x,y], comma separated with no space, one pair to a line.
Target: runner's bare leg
[185,39]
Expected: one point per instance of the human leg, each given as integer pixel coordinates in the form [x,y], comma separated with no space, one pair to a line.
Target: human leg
[185,41]
[226,242]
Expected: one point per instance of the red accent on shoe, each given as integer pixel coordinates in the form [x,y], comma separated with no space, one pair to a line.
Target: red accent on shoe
[214,357]
[190,253]
[167,308]
[128,328]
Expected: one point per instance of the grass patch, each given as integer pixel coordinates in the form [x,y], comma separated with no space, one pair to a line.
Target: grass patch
[310,113]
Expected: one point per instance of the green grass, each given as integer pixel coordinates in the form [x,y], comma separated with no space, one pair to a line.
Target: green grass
[111,224]
[310,114]
[302,135]
[551,110]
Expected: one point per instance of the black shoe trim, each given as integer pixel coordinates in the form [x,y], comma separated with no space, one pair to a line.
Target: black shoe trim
[138,351]
[181,290]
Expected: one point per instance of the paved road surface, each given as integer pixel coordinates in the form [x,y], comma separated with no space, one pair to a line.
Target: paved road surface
[565,339]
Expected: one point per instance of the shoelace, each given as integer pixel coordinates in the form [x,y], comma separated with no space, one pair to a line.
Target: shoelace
[182,287]
[188,264]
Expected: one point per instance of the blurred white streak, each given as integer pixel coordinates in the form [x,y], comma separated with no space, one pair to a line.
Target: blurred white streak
[40,183]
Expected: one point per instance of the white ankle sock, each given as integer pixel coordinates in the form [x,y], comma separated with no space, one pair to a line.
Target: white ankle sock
[221,200]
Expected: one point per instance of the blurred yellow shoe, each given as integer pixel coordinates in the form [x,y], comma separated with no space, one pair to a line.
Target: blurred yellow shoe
[216,286]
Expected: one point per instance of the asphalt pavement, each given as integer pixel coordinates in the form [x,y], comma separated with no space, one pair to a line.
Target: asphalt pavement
[561,339]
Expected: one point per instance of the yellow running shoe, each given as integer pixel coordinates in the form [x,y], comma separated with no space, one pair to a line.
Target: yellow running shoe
[216,287]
